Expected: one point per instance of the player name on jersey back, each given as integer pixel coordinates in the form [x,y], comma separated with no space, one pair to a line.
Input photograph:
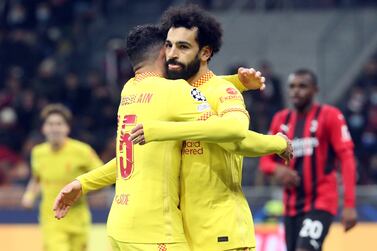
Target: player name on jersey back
[142,98]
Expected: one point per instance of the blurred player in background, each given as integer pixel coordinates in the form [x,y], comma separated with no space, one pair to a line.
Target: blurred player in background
[54,163]
[321,141]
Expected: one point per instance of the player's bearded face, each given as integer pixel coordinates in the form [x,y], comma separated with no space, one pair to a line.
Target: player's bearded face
[182,53]
[55,129]
[182,71]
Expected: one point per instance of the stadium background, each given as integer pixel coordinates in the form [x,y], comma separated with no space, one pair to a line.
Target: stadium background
[71,51]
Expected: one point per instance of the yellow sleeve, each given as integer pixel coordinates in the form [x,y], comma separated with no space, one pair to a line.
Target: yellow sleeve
[192,105]
[256,145]
[93,161]
[235,81]
[228,100]
[99,178]
[215,129]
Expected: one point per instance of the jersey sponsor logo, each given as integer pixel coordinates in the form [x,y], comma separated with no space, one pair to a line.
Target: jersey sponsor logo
[231,90]
[192,148]
[142,98]
[122,199]
[197,95]
[304,146]
[231,97]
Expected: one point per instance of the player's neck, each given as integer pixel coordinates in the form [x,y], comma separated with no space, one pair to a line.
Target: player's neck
[56,146]
[202,70]
[305,109]
[147,68]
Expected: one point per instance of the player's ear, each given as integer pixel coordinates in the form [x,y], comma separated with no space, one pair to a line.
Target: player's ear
[205,53]
[161,58]
[162,52]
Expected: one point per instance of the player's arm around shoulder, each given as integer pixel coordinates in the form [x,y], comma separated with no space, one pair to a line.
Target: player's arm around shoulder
[257,145]
[187,107]
[246,79]
[228,102]
[254,144]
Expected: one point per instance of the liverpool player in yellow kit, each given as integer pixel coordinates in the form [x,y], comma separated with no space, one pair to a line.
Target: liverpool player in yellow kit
[54,163]
[145,213]
[215,212]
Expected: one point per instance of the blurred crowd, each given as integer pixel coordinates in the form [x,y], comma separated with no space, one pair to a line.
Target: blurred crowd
[360,109]
[43,59]
[271,5]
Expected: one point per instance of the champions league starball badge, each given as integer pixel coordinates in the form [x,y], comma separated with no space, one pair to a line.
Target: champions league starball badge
[197,95]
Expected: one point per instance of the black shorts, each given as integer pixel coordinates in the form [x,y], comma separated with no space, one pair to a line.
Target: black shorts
[307,231]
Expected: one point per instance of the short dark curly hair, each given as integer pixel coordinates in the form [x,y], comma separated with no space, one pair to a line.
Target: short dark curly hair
[143,42]
[310,73]
[189,16]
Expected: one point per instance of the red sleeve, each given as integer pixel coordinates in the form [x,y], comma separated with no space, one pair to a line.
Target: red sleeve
[267,163]
[341,141]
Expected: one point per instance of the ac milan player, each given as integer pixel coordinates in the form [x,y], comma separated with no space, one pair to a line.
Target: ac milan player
[321,142]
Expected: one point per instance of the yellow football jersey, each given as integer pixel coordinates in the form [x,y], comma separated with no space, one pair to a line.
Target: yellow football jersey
[145,208]
[54,169]
[215,212]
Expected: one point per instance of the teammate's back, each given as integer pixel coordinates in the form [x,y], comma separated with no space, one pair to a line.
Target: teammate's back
[145,207]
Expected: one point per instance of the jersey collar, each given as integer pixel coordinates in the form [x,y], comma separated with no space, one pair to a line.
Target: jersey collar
[203,79]
[141,76]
